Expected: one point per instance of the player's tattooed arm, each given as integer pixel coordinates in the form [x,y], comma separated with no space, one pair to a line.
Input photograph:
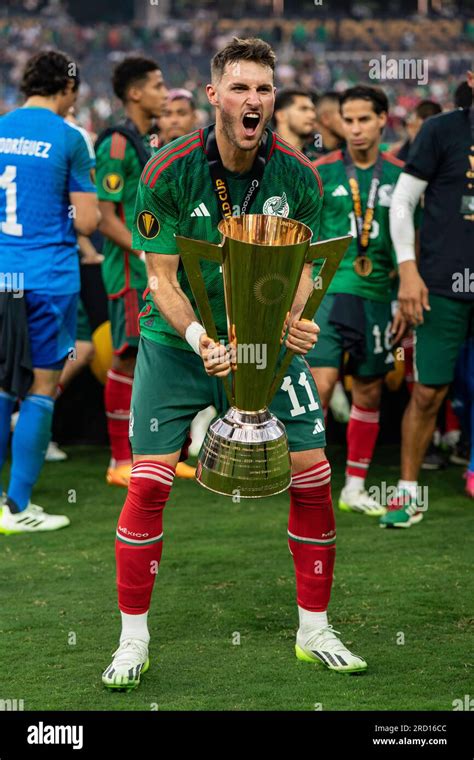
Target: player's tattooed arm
[302,333]
[176,308]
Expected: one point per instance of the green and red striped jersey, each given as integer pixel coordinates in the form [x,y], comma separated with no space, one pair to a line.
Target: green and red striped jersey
[337,219]
[176,197]
[118,171]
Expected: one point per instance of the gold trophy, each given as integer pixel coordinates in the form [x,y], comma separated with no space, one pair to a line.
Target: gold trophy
[245,452]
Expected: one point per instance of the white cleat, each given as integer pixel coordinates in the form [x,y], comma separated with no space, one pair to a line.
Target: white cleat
[339,404]
[54,453]
[352,500]
[323,647]
[33,519]
[130,661]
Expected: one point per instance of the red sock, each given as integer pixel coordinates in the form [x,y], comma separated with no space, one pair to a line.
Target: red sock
[362,432]
[312,536]
[139,541]
[450,419]
[118,395]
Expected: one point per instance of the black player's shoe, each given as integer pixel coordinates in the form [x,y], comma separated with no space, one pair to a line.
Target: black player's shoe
[434,460]
[460,453]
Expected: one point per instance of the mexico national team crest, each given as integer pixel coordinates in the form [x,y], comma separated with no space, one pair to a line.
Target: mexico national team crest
[148,225]
[113,182]
[277,205]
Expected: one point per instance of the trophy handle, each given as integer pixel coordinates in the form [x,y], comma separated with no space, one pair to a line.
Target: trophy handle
[191,251]
[332,253]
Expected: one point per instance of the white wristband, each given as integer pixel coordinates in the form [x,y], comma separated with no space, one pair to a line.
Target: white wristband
[405,252]
[193,334]
[142,256]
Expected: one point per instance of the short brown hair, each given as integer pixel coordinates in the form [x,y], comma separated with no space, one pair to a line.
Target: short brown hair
[252,49]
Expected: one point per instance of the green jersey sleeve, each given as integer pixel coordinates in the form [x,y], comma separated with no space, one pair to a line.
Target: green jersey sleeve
[311,203]
[110,172]
[156,215]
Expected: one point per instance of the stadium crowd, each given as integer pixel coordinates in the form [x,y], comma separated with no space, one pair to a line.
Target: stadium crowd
[323,54]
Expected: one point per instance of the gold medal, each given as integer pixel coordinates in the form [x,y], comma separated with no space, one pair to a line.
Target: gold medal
[363,266]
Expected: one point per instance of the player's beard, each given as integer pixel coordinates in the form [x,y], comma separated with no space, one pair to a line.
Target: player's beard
[302,134]
[299,132]
[306,135]
[230,124]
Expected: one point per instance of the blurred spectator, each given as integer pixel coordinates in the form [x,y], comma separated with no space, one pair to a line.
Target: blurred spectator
[178,117]
[328,123]
[294,116]
[463,96]
[423,111]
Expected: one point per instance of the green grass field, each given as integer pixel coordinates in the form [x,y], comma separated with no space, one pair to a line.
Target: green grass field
[226,568]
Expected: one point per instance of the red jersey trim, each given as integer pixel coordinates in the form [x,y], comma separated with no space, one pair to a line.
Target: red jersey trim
[144,313]
[155,162]
[330,158]
[122,349]
[130,302]
[392,159]
[152,181]
[273,146]
[118,146]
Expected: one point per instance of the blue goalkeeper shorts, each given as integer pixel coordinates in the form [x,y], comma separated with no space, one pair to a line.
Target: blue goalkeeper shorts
[51,327]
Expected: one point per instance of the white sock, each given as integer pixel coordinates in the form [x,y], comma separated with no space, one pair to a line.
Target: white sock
[135,627]
[311,621]
[409,485]
[354,483]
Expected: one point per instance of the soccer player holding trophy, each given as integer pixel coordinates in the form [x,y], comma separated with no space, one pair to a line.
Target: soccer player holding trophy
[251,283]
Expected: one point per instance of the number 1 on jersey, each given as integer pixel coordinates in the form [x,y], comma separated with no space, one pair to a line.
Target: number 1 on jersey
[7,182]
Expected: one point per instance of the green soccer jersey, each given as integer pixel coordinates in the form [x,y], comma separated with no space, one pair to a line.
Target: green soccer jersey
[176,196]
[338,218]
[118,171]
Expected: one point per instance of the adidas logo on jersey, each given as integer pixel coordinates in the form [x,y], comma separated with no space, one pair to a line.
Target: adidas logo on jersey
[340,190]
[318,427]
[201,210]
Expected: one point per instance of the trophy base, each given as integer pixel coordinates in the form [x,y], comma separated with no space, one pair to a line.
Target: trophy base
[245,455]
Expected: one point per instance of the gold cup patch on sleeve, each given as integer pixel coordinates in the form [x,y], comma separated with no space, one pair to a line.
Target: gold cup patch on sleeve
[113,183]
[148,225]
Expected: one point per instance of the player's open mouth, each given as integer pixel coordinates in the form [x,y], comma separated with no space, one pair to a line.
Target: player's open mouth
[250,123]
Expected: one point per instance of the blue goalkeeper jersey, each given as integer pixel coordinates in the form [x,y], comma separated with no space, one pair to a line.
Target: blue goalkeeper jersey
[43,158]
